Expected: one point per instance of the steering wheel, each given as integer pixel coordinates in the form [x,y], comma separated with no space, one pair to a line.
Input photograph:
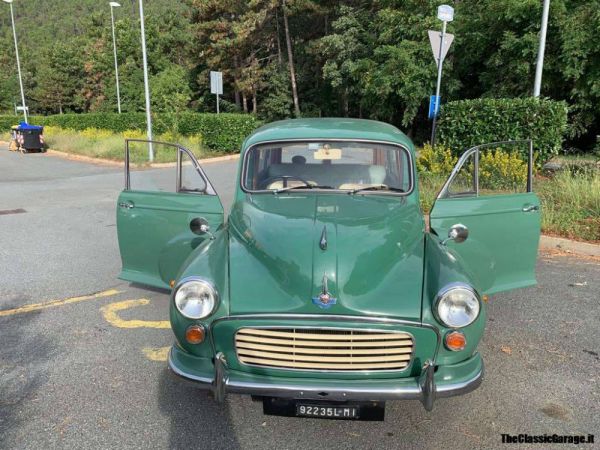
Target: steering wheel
[284,178]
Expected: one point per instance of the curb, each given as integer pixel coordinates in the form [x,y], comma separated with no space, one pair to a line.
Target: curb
[110,162]
[569,246]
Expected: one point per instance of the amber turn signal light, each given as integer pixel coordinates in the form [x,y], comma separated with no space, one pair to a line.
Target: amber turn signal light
[455,341]
[194,334]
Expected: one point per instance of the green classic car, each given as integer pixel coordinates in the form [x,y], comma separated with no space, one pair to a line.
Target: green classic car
[326,292]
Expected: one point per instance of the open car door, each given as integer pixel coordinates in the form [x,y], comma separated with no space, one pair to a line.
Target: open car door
[158,216]
[503,221]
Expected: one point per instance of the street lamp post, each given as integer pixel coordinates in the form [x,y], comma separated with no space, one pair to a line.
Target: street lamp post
[112,21]
[12,17]
[540,59]
[146,86]
[445,14]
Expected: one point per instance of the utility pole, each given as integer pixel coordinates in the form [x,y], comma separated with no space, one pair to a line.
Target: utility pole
[537,87]
[112,20]
[12,18]
[146,85]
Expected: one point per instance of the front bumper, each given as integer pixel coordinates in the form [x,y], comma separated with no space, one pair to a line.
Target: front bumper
[434,382]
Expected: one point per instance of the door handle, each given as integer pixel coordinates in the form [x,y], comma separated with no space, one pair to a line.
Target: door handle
[530,208]
[127,205]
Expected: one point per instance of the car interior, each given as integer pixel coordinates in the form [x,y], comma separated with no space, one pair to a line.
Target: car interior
[344,168]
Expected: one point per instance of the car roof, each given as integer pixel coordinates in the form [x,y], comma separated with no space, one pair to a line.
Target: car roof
[328,128]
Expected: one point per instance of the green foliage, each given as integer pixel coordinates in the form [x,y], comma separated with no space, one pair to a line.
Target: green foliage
[354,58]
[571,204]
[435,161]
[278,101]
[223,132]
[220,132]
[502,171]
[106,144]
[467,123]
[170,90]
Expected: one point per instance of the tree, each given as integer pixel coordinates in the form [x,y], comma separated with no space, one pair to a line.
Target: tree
[59,79]
[290,55]
[170,90]
[278,102]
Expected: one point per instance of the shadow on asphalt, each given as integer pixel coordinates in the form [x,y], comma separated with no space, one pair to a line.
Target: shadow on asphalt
[197,421]
[19,353]
[144,287]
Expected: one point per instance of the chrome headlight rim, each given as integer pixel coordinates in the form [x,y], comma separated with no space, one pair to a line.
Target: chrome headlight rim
[444,291]
[201,280]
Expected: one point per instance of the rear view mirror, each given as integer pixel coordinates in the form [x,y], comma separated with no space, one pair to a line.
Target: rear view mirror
[200,226]
[457,233]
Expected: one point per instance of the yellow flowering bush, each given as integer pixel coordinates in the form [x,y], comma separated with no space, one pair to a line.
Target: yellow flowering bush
[96,133]
[435,161]
[500,170]
[134,134]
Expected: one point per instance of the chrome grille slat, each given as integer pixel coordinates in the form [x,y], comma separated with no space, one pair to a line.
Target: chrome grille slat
[327,351]
[324,349]
[320,344]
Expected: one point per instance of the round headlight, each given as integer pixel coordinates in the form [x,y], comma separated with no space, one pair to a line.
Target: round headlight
[457,306]
[195,299]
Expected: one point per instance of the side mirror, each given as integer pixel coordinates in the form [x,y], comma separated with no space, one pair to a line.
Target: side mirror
[457,233]
[200,226]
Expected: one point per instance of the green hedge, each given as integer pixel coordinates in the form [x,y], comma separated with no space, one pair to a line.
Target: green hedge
[467,123]
[220,132]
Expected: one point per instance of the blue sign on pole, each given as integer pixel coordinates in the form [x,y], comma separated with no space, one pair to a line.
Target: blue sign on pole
[434,106]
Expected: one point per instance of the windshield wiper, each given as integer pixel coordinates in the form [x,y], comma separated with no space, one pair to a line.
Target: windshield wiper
[379,187]
[303,186]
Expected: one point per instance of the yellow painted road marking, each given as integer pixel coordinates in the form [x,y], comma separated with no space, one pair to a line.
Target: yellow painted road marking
[110,314]
[156,354]
[55,303]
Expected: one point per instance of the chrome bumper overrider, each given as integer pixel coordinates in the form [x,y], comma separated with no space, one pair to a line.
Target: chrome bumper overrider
[423,388]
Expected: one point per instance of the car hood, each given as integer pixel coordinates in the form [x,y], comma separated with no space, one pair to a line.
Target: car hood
[369,248]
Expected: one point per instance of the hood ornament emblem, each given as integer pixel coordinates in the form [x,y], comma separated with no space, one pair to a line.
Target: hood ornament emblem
[323,240]
[324,300]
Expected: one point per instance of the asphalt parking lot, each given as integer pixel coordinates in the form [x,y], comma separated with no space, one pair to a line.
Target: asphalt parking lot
[82,354]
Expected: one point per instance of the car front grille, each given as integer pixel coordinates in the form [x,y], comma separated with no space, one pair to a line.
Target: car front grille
[324,349]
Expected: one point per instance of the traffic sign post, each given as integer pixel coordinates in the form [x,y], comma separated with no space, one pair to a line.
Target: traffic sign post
[435,38]
[440,43]
[216,85]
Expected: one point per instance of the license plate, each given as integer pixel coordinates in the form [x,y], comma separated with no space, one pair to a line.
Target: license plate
[323,409]
[327,411]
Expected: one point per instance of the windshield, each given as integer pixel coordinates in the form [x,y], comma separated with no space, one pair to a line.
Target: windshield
[344,165]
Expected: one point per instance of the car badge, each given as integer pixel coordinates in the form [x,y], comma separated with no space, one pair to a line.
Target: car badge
[324,300]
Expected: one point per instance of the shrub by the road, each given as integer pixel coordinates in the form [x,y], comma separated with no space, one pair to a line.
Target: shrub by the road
[105,144]
[499,170]
[467,123]
[570,199]
[220,132]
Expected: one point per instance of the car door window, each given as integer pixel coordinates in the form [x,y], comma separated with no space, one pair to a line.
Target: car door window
[191,181]
[181,172]
[493,169]
[464,182]
[149,179]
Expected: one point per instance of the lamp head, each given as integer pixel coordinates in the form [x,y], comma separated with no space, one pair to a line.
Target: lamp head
[445,13]
[114,4]
[7,1]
